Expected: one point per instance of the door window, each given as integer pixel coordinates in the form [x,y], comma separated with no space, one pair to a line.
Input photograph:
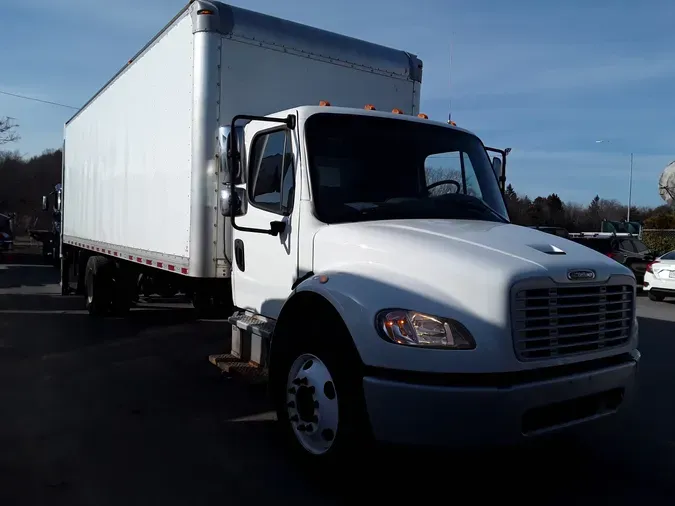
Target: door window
[271,172]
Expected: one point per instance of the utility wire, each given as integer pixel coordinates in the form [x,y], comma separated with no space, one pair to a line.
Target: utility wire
[37,100]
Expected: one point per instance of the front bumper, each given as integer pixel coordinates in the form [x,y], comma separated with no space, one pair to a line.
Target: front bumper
[509,410]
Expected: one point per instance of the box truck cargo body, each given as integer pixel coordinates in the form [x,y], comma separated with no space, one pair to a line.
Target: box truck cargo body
[364,252]
[140,165]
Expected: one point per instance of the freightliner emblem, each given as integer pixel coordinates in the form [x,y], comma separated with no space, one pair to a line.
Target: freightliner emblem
[581,275]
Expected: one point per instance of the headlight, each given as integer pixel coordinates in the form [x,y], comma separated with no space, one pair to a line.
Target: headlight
[418,329]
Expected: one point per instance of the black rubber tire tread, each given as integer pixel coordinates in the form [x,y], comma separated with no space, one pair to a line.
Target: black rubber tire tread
[326,340]
[98,283]
[208,306]
[122,292]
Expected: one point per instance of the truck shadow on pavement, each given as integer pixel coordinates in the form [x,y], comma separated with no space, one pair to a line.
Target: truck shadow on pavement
[101,411]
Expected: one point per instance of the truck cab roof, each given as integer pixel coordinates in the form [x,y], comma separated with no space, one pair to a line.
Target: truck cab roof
[306,111]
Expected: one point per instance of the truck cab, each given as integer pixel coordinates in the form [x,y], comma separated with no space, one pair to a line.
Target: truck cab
[373,259]
[340,169]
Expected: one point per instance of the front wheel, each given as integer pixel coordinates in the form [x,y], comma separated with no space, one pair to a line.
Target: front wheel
[312,407]
[320,403]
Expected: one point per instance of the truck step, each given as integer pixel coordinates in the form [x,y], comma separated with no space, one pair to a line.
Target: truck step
[254,324]
[250,372]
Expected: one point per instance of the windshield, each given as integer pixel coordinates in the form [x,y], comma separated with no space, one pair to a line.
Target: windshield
[372,168]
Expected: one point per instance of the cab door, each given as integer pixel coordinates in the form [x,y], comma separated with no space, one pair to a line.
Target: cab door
[265,266]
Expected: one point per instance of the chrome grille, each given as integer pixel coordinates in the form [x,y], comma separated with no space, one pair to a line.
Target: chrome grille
[549,322]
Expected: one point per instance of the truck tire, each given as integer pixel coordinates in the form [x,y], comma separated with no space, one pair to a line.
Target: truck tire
[204,304]
[123,291]
[210,306]
[98,285]
[318,395]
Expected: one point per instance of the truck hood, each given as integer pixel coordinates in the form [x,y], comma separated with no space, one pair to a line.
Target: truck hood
[463,270]
[473,251]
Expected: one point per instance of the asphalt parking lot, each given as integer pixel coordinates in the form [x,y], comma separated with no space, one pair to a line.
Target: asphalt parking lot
[129,411]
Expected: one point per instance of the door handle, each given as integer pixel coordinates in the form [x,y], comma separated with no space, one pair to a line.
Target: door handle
[239,254]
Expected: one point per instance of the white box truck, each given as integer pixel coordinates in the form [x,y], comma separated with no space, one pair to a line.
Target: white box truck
[366,252]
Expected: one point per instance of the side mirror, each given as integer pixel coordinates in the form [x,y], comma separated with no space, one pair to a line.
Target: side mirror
[497,166]
[223,147]
[45,203]
[232,202]
[223,135]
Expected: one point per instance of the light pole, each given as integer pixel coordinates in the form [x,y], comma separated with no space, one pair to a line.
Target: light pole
[630,180]
[630,187]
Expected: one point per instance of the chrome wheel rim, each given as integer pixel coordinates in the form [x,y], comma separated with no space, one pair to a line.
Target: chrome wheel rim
[312,404]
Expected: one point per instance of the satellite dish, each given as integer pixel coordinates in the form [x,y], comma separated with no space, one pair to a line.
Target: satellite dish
[667,184]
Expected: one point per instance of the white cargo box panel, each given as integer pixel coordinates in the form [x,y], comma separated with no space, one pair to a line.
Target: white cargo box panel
[127,160]
[270,64]
[140,168]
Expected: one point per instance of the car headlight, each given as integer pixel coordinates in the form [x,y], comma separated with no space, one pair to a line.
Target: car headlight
[413,328]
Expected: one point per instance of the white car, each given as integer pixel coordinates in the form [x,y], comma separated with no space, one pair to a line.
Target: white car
[660,277]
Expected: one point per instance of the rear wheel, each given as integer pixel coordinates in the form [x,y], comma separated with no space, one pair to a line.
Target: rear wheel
[655,297]
[98,285]
[123,290]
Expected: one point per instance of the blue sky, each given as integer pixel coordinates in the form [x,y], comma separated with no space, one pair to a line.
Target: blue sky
[545,78]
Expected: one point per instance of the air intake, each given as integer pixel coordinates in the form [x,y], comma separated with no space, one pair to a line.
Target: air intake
[549,249]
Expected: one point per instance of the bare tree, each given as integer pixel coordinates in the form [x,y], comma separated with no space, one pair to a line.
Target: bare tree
[8,131]
[23,181]
[435,174]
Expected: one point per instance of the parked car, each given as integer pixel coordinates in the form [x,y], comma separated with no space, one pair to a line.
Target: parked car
[626,249]
[659,281]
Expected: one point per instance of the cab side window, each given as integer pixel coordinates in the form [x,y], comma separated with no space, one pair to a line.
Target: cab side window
[272,172]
